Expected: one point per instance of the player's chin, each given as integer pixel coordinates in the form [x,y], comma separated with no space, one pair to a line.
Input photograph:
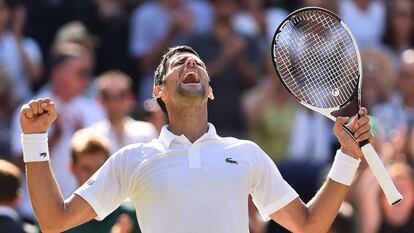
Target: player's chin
[192,89]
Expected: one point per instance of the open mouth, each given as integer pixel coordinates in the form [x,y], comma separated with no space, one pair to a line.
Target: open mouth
[191,77]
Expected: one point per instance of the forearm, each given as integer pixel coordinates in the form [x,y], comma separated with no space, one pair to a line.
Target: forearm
[317,216]
[45,195]
[324,207]
[53,213]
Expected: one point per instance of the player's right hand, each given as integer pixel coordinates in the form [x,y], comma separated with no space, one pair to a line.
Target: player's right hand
[37,116]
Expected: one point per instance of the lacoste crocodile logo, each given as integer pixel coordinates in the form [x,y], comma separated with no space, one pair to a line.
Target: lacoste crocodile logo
[43,154]
[230,160]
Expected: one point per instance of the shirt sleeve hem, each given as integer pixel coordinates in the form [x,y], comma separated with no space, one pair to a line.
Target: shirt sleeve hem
[270,209]
[93,202]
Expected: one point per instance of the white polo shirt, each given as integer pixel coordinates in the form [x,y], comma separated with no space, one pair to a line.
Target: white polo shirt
[183,187]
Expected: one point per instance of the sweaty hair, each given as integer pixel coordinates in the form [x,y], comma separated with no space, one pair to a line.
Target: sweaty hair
[86,142]
[161,70]
[9,182]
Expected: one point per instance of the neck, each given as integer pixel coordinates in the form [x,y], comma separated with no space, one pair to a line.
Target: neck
[192,123]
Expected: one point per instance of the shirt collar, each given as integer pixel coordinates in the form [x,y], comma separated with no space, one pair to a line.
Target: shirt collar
[167,137]
[9,212]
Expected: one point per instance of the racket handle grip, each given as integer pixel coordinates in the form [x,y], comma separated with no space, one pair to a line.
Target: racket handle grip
[383,178]
[363,143]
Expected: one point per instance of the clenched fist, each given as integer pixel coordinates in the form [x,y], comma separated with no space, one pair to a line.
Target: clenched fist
[37,116]
[361,130]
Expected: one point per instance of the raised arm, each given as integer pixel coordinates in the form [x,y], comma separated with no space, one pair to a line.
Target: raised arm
[317,216]
[52,211]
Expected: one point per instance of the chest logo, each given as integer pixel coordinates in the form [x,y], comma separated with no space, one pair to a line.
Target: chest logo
[230,160]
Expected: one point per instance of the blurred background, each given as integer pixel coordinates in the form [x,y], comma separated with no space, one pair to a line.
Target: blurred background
[96,59]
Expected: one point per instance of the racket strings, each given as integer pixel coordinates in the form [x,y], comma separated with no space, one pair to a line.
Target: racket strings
[317,60]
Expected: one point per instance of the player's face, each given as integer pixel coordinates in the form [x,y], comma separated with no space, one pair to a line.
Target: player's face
[186,77]
[86,165]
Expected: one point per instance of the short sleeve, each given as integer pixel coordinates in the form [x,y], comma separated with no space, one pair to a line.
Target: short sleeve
[108,187]
[269,190]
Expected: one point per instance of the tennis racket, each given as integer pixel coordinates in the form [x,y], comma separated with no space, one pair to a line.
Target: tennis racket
[317,60]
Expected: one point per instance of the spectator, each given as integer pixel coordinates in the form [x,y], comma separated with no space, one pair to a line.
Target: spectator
[89,153]
[254,20]
[331,5]
[365,18]
[175,21]
[376,215]
[19,55]
[70,71]
[398,112]
[311,136]
[7,105]
[10,176]
[399,32]
[76,32]
[379,79]
[232,61]
[114,93]
[270,111]
[112,29]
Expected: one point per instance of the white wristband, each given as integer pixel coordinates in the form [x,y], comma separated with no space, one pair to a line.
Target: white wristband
[343,168]
[35,148]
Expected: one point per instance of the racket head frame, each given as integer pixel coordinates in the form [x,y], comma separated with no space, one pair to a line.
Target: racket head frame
[357,92]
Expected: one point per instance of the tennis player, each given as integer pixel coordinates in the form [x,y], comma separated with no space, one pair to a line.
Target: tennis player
[189,179]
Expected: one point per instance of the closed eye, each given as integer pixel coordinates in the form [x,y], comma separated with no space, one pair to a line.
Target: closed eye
[182,61]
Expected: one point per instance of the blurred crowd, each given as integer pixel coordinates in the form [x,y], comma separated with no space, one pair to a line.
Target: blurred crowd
[96,60]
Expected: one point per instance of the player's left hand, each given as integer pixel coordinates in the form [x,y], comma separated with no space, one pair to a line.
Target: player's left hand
[361,129]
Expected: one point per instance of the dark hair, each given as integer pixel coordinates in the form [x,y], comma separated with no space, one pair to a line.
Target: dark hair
[9,182]
[161,70]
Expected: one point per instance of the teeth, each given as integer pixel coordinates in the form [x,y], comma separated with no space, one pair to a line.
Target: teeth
[192,76]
